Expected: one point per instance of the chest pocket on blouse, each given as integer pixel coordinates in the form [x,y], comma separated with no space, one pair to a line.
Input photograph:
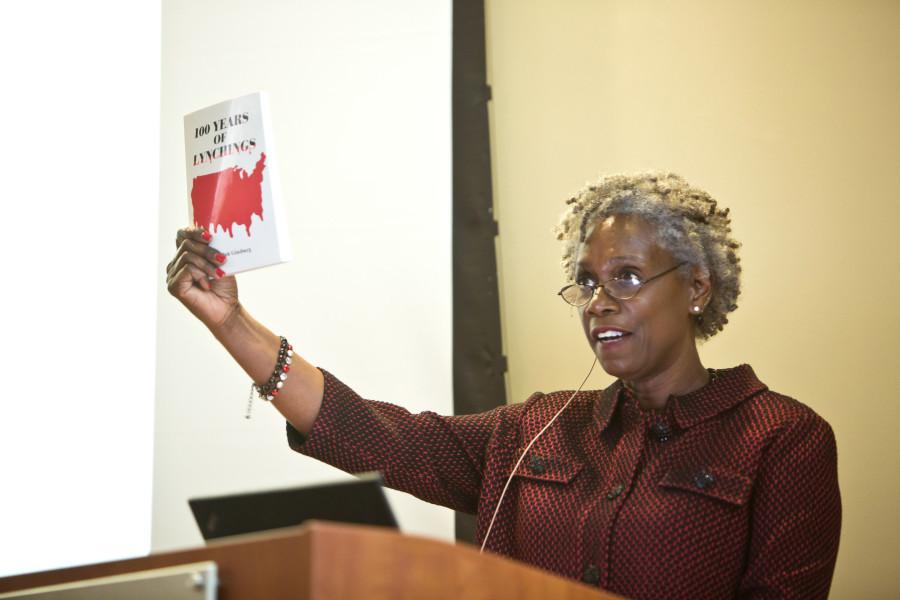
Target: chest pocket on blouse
[713,482]
[537,466]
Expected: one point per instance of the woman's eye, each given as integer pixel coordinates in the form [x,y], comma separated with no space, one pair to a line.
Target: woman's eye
[629,276]
[588,281]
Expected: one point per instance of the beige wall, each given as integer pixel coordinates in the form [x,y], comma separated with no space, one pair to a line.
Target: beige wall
[789,113]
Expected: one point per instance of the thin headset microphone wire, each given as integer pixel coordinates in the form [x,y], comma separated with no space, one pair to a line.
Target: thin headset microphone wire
[525,451]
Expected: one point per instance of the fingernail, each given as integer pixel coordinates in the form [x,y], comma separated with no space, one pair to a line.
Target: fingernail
[206,236]
[220,273]
[220,257]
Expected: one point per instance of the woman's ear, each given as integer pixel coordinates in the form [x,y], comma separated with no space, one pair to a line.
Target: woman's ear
[701,290]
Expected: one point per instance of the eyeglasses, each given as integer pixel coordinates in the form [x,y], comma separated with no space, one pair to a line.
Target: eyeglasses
[619,288]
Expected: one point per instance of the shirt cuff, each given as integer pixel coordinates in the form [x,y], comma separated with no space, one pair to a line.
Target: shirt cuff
[296,440]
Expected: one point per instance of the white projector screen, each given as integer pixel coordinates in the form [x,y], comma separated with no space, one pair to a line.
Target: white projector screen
[361,106]
[81,116]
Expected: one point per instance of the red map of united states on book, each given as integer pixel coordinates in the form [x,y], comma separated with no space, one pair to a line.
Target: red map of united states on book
[229,197]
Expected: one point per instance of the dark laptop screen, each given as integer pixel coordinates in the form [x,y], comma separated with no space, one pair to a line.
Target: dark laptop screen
[361,501]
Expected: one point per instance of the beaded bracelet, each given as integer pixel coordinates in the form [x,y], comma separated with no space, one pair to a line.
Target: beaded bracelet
[271,389]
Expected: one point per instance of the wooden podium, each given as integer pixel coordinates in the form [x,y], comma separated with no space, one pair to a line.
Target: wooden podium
[319,561]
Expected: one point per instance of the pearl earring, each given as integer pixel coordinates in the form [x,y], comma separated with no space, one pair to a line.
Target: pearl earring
[696,309]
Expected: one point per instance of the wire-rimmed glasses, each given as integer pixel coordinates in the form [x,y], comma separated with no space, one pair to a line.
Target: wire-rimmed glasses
[619,288]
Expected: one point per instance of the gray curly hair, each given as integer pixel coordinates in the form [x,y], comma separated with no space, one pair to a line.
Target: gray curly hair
[689,224]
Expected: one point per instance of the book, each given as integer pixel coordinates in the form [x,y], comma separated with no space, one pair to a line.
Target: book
[232,182]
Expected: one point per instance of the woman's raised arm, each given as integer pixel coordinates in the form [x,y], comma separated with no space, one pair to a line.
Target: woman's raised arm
[195,278]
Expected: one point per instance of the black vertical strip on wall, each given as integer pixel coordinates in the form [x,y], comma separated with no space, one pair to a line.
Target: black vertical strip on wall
[478,361]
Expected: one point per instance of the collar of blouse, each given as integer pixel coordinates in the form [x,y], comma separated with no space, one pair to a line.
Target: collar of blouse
[726,389]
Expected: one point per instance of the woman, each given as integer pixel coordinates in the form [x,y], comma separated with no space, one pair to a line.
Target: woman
[675,482]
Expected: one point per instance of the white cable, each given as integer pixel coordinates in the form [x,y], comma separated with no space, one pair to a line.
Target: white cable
[527,448]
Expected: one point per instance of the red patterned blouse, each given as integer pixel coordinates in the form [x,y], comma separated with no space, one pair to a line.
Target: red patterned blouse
[730,491]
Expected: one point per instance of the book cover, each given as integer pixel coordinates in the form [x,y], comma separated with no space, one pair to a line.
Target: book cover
[232,182]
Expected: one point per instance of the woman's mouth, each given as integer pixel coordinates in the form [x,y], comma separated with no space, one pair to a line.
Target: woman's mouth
[609,336]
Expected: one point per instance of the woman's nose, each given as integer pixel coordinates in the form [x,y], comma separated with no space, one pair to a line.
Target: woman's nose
[602,303]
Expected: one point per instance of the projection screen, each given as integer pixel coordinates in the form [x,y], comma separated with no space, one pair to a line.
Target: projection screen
[80,280]
[361,105]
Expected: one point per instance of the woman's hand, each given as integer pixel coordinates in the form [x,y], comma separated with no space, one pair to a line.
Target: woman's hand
[195,277]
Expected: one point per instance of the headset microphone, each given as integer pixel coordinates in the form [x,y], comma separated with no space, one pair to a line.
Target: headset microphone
[525,451]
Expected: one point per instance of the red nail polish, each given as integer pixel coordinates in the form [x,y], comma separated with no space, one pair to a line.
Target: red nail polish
[206,236]
[220,257]
[220,273]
